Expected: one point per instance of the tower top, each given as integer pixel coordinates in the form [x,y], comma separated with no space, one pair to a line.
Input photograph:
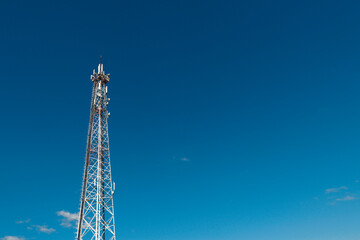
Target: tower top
[101,66]
[100,74]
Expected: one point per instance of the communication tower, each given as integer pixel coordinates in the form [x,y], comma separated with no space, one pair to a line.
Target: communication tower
[96,217]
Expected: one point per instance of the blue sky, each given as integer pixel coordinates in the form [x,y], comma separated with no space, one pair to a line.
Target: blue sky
[229,119]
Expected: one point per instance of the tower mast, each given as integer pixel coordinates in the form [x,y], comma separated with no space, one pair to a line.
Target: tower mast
[96,217]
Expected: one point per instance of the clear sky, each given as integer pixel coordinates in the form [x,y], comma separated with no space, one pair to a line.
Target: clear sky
[230,120]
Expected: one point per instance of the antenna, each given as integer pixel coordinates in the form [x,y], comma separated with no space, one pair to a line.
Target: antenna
[101,66]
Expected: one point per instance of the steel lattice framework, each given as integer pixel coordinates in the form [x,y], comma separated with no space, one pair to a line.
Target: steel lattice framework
[96,217]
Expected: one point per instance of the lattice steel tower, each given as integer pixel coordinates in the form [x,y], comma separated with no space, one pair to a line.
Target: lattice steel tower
[96,217]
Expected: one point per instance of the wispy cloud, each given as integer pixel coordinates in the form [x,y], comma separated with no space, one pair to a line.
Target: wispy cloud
[68,219]
[346,198]
[12,238]
[182,159]
[44,229]
[334,190]
[23,221]
[341,194]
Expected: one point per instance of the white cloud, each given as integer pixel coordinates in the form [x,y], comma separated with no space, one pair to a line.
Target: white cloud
[44,229]
[23,221]
[12,238]
[334,190]
[68,219]
[346,198]
[184,159]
